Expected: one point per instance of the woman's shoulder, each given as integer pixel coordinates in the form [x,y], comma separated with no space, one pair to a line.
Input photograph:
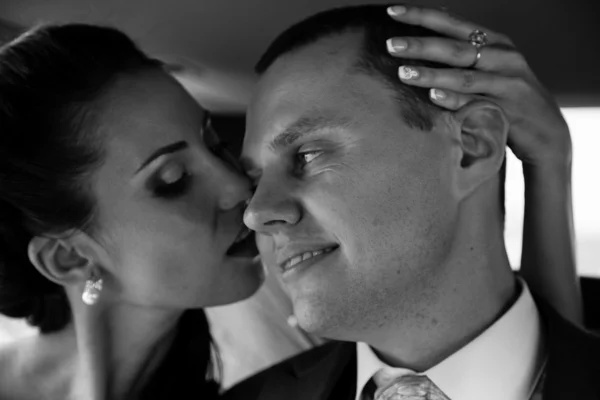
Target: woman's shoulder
[17,369]
[11,368]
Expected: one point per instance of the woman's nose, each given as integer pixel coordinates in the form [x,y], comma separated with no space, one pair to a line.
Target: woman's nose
[235,188]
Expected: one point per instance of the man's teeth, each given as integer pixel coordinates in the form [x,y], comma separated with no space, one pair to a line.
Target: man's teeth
[305,256]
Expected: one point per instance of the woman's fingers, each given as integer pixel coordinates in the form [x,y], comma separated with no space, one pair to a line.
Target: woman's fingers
[442,22]
[449,99]
[458,53]
[460,80]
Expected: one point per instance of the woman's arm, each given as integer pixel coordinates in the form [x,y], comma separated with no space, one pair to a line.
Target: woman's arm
[548,261]
[539,137]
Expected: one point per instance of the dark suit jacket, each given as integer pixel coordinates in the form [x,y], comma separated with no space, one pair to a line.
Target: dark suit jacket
[328,372]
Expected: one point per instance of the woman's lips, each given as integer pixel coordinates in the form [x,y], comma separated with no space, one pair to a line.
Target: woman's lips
[244,245]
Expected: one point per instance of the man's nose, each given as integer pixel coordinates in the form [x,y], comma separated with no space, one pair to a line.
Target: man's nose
[272,207]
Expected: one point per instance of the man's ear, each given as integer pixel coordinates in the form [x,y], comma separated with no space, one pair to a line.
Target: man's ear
[482,140]
[65,260]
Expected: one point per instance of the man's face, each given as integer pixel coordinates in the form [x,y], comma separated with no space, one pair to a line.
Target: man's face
[358,200]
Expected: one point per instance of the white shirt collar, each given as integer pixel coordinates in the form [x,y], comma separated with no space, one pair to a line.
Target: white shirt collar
[503,363]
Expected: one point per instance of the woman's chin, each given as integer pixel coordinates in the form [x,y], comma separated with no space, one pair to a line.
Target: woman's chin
[249,280]
[252,282]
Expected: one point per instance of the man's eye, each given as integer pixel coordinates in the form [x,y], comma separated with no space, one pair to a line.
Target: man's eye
[306,157]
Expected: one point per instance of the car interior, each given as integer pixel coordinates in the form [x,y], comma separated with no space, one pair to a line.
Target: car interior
[212,46]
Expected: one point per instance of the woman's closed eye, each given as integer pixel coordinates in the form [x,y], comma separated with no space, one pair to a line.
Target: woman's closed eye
[172,181]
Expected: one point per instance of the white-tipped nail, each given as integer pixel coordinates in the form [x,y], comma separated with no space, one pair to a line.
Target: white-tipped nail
[437,94]
[390,45]
[407,73]
[396,10]
[396,45]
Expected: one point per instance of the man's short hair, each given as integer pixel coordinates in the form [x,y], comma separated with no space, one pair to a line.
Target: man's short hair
[376,26]
[373,58]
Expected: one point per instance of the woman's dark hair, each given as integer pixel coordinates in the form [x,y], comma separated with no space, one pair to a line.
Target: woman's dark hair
[52,80]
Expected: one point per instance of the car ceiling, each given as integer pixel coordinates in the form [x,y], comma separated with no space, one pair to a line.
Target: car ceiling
[215,43]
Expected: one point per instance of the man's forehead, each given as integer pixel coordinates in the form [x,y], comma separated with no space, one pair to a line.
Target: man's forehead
[317,82]
[311,75]
[336,51]
[285,94]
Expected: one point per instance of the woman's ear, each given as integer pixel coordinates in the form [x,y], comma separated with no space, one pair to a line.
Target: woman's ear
[64,260]
[482,140]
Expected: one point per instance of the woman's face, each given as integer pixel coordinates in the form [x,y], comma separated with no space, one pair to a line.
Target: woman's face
[169,209]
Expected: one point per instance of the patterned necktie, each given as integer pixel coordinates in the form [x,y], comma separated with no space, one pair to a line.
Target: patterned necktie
[406,387]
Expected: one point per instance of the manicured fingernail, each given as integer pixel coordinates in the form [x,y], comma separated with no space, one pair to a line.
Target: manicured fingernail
[408,73]
[395,45]
[437,94]
[396,10]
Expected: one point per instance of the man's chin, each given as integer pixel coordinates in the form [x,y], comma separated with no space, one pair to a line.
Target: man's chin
[316,320]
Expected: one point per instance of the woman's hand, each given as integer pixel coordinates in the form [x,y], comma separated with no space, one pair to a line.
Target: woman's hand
[539,135]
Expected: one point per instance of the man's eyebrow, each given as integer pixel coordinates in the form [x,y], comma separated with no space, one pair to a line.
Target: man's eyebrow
[304,126]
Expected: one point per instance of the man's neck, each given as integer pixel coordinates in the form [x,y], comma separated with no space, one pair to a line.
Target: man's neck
[482,287]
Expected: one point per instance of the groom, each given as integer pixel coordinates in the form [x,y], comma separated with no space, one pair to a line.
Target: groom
[385,217]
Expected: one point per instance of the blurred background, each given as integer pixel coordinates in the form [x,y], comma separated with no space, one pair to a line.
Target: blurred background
[212,46]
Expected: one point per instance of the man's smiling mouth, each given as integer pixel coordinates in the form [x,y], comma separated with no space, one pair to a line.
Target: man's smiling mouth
[300,257]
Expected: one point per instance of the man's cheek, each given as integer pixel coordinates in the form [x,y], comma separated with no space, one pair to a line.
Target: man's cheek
[266,247]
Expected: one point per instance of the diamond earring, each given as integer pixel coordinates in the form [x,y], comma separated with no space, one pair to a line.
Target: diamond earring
[91,293]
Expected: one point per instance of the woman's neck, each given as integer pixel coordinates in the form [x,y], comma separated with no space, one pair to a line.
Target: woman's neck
[118,348]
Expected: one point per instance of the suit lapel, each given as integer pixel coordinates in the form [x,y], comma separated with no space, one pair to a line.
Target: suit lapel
[311,378]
